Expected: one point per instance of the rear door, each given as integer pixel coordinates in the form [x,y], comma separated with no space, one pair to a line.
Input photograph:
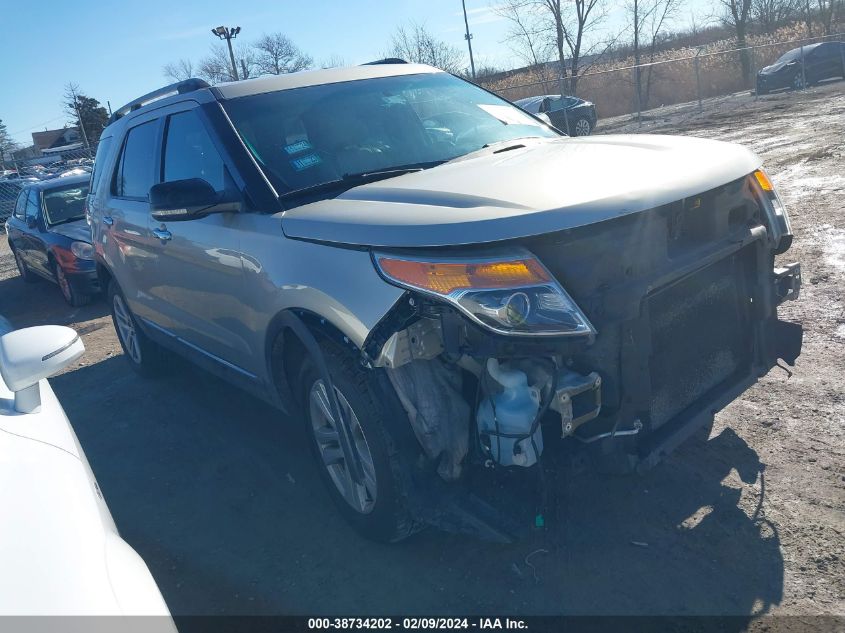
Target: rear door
[17,223]
[199,278]
[124,232]
[34,253]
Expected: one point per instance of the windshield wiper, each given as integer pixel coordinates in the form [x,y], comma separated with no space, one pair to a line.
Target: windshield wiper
[354,179]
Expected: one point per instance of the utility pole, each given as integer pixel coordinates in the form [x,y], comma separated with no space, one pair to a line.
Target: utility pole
[228,34]
[468,38]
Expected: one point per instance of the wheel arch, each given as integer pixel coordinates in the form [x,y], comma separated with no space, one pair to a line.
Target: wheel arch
[292,334]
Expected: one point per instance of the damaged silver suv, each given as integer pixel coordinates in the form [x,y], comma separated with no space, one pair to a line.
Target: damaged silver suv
[442,284]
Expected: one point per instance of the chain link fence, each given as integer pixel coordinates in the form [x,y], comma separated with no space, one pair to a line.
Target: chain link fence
[694,78]
[24,167]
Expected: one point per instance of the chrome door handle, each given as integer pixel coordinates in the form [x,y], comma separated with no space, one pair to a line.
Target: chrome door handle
[163,234]
[108,220]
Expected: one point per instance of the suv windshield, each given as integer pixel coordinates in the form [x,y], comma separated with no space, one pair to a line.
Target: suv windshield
[306,137]
[65,204]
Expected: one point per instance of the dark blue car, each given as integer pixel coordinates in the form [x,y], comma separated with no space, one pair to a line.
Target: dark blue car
[50,238]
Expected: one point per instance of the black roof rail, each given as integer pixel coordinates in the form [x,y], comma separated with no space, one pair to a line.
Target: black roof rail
[386,60]
[180,87]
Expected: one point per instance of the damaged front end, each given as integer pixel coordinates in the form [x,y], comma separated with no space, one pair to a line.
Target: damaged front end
[622,337]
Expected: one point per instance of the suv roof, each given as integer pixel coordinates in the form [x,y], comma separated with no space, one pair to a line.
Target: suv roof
[271,83]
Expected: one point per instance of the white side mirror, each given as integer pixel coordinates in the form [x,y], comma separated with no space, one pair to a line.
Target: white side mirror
[545,118]
[33,353]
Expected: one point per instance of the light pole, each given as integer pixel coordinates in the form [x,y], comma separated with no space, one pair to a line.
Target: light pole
[468,38]
[228,34]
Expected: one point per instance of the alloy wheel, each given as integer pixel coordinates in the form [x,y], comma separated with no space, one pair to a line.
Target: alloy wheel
[126,329]
[360,496]
[64,285]
[582,127]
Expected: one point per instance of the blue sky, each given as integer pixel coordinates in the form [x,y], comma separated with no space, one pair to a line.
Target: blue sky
[115,51]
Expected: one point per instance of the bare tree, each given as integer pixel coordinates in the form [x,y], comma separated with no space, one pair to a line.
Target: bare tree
[216,67]
[737,15]
[335,61]
[771,14]
[826,12]
[565,23]
[414,43]
[806,8]
[649,20]
[179,70]
[526,36]
[276,54]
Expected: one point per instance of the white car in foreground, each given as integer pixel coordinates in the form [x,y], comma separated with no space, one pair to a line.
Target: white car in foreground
[60,552]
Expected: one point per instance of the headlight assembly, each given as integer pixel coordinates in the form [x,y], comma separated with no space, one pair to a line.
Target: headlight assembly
[779,225]
[82,250]
[514,296]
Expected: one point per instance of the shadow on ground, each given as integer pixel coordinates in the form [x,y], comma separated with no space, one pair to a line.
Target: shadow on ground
[218,493]
[41,302]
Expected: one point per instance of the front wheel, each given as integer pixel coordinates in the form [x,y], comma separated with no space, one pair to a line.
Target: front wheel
[374,505]
[798,82]
[71,295]
[144,356]
[582,127]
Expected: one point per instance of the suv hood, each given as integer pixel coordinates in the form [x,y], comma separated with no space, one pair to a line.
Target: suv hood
[548,185]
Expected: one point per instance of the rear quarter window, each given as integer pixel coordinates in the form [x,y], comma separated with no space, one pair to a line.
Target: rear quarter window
[136,165]
[99,160]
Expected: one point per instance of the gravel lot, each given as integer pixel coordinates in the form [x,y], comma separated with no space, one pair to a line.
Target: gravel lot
[219,495]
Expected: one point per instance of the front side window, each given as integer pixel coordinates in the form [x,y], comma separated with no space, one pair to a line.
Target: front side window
[135,167]
[305,137]
[66,204]
[190,153]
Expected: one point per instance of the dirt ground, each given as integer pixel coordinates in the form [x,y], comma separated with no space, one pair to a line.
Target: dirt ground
[219,495]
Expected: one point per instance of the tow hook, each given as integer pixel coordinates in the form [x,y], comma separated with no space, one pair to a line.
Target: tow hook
[577,400]
[788,282]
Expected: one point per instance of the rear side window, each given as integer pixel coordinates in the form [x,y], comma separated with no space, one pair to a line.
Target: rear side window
[190,153]
[102,152]
[135,166]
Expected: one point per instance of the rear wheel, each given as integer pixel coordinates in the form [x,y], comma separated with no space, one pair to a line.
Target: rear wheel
[798,82]
[71,295]
[26,274]
[144,356]
[582,127]
[375,505]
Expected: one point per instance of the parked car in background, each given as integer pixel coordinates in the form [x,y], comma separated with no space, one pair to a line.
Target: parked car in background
[825,60]
[60,552]
[439,281]
[571,115]
[50,238]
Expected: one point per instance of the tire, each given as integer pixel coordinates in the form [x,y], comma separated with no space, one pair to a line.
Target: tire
[376,509]
[142,354]
[71,295]
[797,82]
[581,127]
[26,274]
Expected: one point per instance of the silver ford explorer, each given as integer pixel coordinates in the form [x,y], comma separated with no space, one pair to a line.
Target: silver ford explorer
[449,290]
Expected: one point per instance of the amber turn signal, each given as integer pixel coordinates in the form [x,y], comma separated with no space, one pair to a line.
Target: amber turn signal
[764,181]
[446,277]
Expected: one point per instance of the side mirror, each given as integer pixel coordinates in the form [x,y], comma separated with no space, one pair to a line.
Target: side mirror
[187,200]
[31,354]
[31,222]
[544,118]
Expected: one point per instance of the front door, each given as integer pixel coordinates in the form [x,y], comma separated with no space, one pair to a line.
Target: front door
[199,278]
